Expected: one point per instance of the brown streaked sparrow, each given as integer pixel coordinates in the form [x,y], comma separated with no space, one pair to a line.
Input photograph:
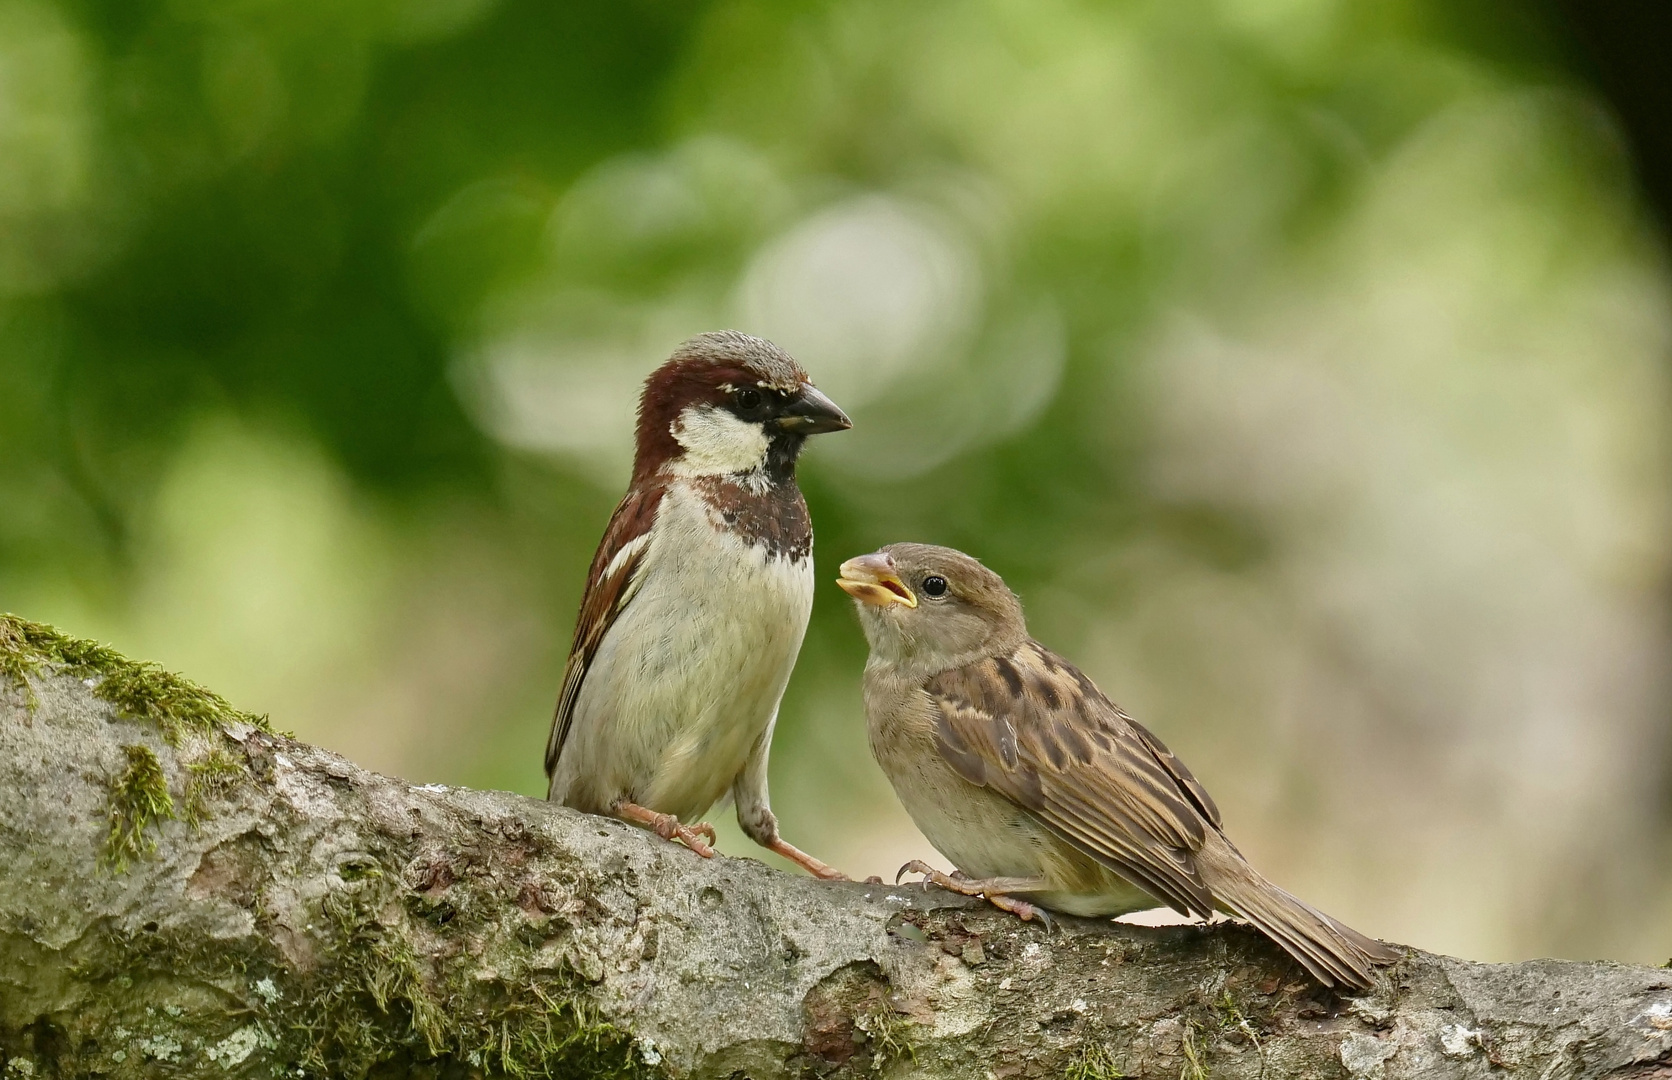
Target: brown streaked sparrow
[1036,786]
[697,600]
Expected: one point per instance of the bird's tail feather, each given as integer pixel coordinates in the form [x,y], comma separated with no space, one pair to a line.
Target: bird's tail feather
[1333,952]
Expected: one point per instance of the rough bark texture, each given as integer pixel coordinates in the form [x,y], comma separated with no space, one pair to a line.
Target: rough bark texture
[186,894]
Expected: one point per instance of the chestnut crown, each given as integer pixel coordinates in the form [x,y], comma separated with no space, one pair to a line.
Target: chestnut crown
[727,403]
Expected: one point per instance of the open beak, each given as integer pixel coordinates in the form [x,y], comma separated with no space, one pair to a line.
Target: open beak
[871,579]
[811,413]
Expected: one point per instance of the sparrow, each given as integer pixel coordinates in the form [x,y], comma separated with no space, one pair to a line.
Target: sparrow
[1040,790]
[696,601]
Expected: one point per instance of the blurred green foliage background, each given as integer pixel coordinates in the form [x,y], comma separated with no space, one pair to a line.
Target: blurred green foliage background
[1302,363]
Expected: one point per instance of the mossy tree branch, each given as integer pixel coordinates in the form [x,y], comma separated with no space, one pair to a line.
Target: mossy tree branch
[188,894]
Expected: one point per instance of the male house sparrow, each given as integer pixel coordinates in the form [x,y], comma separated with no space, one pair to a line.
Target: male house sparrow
[1034,784]
[697,600]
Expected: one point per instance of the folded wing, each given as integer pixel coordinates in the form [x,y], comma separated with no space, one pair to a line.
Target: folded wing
[1033,728]
[610,586]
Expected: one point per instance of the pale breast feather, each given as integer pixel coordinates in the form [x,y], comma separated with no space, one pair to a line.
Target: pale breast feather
[757,532]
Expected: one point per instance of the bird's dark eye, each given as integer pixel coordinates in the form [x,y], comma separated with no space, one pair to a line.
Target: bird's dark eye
[934,585]
[748,400]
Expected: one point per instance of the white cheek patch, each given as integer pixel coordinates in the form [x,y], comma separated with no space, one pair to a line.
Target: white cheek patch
[716,443]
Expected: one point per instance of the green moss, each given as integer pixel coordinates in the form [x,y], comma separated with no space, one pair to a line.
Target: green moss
[138,799]
[1195,1051]
[888,1032]
[372,1001]
[1093,1062]
[17,662]
[551,1034]
[212,775]
[1234,1019]
[140,690]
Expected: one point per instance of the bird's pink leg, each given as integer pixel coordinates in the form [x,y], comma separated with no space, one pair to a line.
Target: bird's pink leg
[667,826]
[806,861]
[995,890]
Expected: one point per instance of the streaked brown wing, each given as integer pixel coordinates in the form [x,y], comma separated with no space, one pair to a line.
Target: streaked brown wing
[609,586]
[1192,787]
[1033,728]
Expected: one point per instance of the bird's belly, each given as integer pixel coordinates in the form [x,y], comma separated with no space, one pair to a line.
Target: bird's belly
[1114,896]
[993,837]
[982,833]
[689,677]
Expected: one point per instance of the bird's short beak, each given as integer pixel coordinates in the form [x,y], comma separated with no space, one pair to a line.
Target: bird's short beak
[871,579]
[811,413]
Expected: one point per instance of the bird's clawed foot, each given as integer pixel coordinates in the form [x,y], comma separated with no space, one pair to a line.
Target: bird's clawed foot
[945,881]
[692,836]
[806,861]
[992,889]
[668,827]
